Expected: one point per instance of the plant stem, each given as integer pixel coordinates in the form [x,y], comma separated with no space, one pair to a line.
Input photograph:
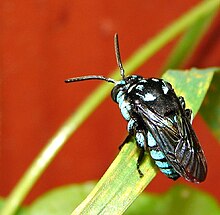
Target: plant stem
[38,166]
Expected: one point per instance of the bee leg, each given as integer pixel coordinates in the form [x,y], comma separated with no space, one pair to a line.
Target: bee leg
[142,150]
[189,115]
[139,161]
[135,129]
[188,112]
[141,141]
[130,127]
[182,102]
[138,132]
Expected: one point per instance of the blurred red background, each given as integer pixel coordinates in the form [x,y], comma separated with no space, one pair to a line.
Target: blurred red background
[45,42]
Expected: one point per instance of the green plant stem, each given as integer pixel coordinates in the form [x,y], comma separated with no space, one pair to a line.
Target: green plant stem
[38,166]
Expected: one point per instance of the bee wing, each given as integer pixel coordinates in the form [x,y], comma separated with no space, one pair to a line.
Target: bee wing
[178,142]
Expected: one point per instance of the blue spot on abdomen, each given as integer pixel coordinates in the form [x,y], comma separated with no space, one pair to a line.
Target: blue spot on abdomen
[157,155]
[162,164]
[160,159]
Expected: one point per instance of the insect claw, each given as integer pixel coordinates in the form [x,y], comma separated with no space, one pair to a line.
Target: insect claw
[139,171]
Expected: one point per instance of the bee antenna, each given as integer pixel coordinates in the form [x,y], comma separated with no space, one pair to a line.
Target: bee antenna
[90,77]
[118,56]
[100,77]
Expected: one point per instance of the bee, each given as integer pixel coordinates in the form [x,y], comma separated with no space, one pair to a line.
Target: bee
[159,121]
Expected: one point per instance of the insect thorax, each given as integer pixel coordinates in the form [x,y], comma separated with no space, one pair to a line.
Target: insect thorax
[157,94]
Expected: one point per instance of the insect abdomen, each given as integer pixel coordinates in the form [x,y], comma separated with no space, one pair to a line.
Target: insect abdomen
[160,159]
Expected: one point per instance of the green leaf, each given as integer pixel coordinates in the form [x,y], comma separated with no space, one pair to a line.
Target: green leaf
[180,200]
[210,110]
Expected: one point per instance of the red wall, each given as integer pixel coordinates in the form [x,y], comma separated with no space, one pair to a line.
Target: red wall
[44,42]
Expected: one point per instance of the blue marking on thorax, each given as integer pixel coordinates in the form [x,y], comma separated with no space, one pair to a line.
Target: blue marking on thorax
[165,89]
[155,79]
[147,97]
[121,82]
[143,81]
[140,87]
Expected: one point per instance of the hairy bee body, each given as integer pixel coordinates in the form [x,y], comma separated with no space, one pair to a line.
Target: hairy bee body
[160,123]
[158,120]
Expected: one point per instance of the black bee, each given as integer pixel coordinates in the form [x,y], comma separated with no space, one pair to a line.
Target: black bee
[160,123]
